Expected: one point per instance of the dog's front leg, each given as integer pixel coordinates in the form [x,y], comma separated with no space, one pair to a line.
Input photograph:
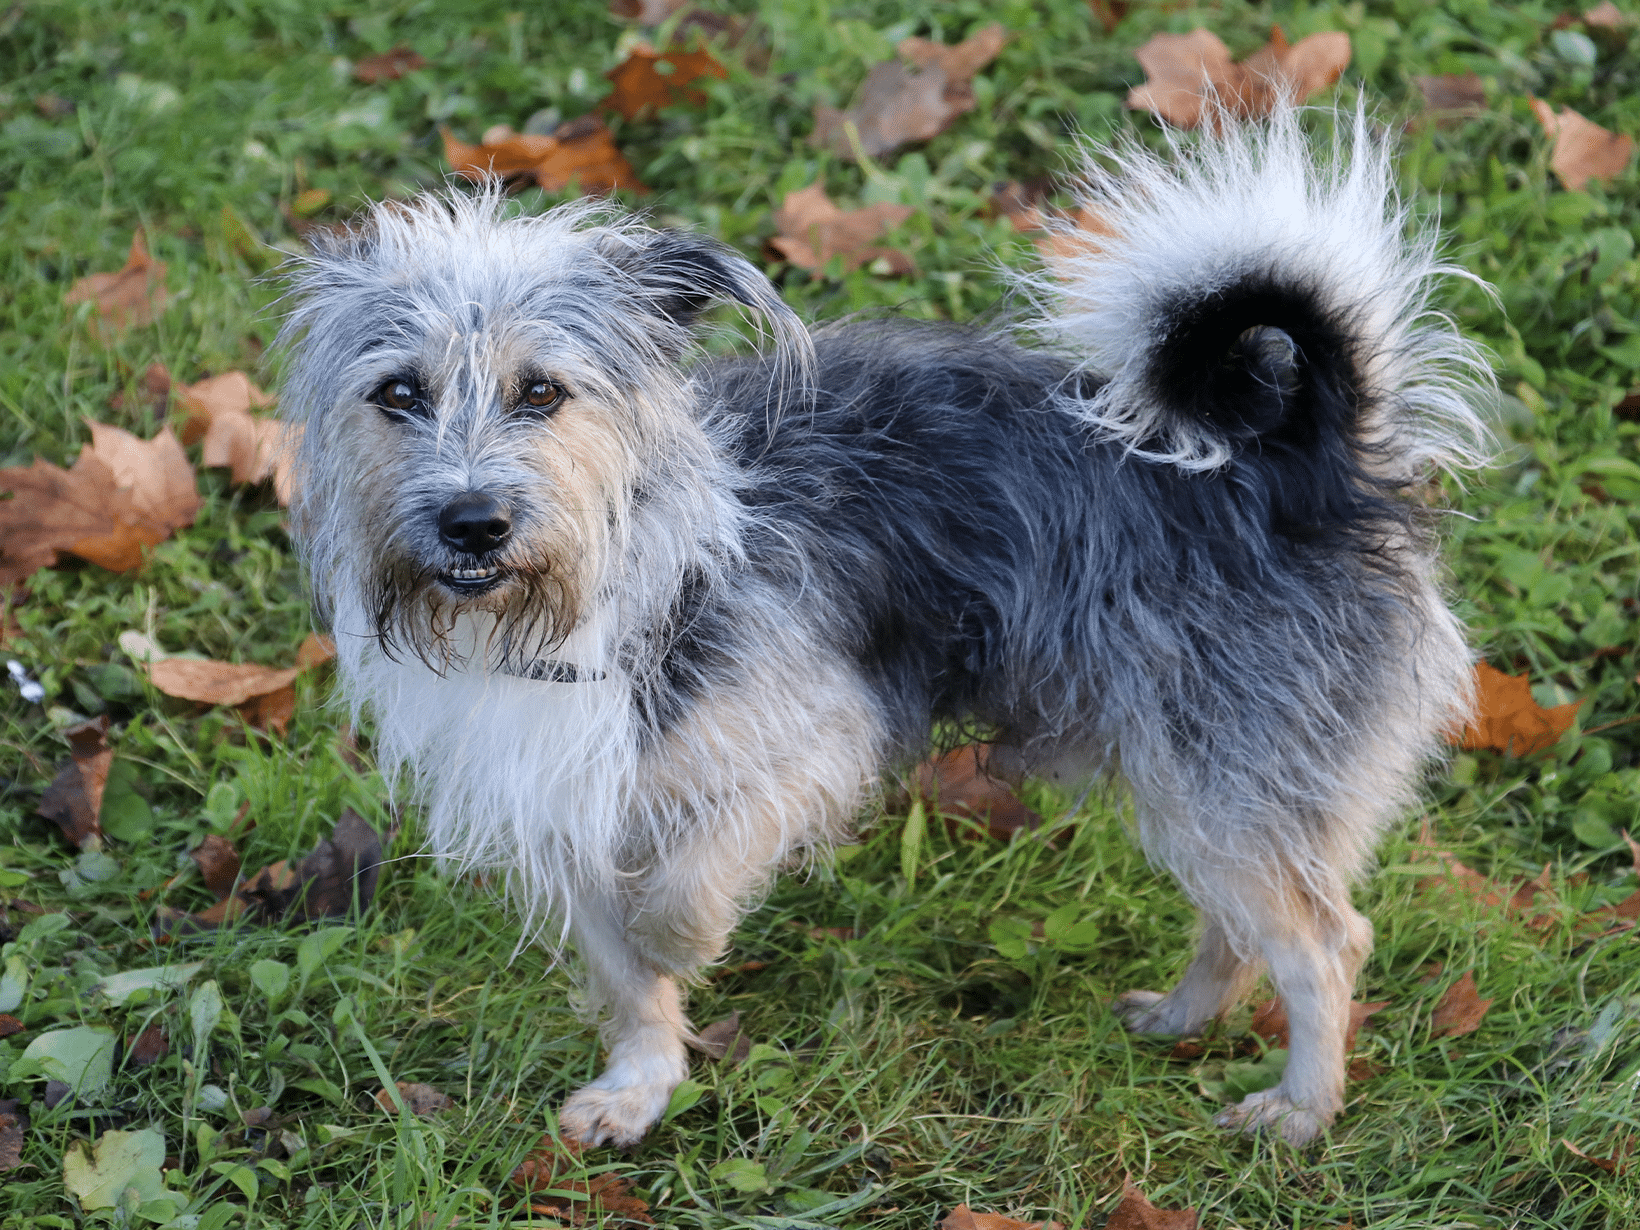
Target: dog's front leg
[643,1027]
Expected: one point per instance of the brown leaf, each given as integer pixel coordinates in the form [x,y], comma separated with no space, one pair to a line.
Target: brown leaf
[10,1025]
[641,88]
[964,1218]
[1453,96]
[1607,15]
[580,151]
[147,1048]
[1190,76]
[218,864]
[813,230]
[1616,1164]
[423,1100]
[1583,149]
[154,472]
[153,389]
[135,295]
[724,1040]
[216,683]
[1460,1010]
[911,99]
[271,712]
[74,798]
[11,1139]
[219,415]
[315,650]
[388,66]
[323,884]
[645,12]
[601,1199]
[956,784]
[1508,720]
[1109,13]
[1137,1213]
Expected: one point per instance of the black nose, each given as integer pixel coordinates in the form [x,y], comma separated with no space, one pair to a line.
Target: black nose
[475,522]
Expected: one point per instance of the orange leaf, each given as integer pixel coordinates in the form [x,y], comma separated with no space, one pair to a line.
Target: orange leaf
[912,99]
[813,230]
[1583,149]
[218,864]
[964,1218]
[1135,1212]
[1270,1021]
[134,295]
[388,66]
[639,87]
[315,650]
[958,785]
[579,151]
[1460,1010]
[219,415]
[216,683]
[1189,76]
[1507,719]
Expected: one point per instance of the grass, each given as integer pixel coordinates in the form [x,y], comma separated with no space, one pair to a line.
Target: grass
[911,1065]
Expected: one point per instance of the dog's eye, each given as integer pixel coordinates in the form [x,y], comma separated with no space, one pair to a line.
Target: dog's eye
[397,395]
[543,394]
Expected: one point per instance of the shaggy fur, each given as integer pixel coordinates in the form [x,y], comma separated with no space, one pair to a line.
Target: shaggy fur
[704,604]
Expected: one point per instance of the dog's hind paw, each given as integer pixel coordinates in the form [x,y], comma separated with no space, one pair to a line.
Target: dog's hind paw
[1269,1110]
[1151,1012]
[617,1116]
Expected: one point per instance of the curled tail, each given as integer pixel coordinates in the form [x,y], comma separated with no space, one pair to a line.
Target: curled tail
[1250,293]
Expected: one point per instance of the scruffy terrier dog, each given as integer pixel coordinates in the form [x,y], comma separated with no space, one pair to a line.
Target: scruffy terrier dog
[645,625]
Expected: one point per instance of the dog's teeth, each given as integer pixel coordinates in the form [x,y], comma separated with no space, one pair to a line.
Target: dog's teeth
[473,574]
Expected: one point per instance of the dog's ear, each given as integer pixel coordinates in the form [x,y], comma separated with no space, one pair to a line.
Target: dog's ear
[679,276]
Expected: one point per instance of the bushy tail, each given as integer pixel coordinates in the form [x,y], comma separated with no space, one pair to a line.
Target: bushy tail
[1249,289]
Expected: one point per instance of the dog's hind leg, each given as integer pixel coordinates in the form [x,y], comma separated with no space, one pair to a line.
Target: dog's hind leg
[1217,978]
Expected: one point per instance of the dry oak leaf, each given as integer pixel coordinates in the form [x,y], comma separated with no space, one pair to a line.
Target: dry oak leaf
[640,87]
[579,151]
[964,1218]
[422,1100]
[957,784]
[910,99]
[1583,149]
[813,230]
[388,66]
[1507,719]
[1135,1212]
[133,295]
[218,414]
[1460,1010]
[74,798]
[1189,77]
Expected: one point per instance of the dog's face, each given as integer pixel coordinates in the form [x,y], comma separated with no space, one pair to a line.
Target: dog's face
[482,397]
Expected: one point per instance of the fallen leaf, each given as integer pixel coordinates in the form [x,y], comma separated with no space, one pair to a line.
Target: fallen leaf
[601,1199]
[1508,720]
[134,295]
[1189,77]
[315,650]
[1453,96]
[1135,1212]
[1605,14]
[641,87]
[153,389]
[910,99]
[958,785]
[388,66]
[217,683]
[422,1100]
[218,415]
[1616,1164]
[1583,150]
[1109,13]
[964,1218]
[74,798]
[12,1125]
[1270,1021]
[10,1025]
[99,1177]
[1460,1010]
[579,151]
[147,1048]
[813,230]
[645,12]
[724,1040]
[218,864]
[325,883]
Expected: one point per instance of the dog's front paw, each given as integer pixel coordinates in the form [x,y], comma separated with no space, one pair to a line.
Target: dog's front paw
[1151,1012]
[619,1116]
[1271,1110]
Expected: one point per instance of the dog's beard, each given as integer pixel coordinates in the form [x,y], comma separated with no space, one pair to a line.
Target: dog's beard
[529,612]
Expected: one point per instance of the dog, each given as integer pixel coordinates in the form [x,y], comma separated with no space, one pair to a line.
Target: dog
[645,625]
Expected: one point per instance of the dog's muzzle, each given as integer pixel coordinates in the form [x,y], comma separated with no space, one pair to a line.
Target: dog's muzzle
[476,524]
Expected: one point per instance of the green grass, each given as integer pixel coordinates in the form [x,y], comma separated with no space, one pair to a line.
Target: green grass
[915,1065]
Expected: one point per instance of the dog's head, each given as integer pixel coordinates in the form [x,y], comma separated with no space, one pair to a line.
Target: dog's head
[483,398]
